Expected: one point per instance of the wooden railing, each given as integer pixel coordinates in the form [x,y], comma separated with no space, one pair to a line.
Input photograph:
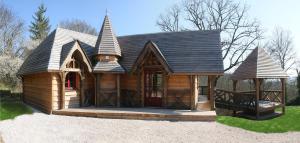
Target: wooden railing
[243,100]
[272,95]
[234,100]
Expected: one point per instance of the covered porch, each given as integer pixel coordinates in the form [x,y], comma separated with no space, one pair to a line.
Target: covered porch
[139,113]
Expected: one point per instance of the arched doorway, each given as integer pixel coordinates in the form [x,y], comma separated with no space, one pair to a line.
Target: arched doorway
[77,80]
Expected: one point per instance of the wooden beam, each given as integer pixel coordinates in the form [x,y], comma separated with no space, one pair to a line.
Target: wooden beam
[193,87]
[208,85]
[261,81]
[63,76]
[283,94]
[234,84]
[138,87]
[212,91]
[165,83]
[72,69]
[257,89]
[98,86]
[81,92]
[118,91]
[95,90]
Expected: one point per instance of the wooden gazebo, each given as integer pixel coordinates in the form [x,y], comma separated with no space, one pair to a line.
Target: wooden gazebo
[258,66]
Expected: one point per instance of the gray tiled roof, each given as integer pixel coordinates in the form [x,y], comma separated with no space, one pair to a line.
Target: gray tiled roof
[111,66]
[185,52]
[46,57]
[107,42]
[258,65]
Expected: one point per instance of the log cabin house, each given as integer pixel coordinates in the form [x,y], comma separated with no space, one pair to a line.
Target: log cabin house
[71,69]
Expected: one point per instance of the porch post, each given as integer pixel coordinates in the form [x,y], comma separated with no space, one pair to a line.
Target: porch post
[81,92]
[283,94]
[118,90]
[212,91]
[62,104]
[165,90]
[97,89]
[257,84]
[138,87]
[261,81]
[194,93]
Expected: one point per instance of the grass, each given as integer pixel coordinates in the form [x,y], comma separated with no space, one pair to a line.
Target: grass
[288,122]
[11,108]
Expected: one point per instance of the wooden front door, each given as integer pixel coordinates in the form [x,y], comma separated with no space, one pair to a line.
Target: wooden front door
[153,88]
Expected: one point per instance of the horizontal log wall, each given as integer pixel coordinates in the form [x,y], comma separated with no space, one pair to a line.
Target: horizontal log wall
[56,91]
[38,91]
[108,90]
[128,82]
[179,84]
[128,85]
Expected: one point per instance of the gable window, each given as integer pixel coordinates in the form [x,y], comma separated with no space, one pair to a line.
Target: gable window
[71,81]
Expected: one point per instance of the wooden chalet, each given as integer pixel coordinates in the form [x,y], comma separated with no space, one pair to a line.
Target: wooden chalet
[260,103]
[72,70]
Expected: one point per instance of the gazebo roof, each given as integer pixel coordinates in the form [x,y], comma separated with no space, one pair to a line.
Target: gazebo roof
[258,65]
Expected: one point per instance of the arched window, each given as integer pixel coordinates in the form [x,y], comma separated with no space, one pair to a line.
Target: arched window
[71,82]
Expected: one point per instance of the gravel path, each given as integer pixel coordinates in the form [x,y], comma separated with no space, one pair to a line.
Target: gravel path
[44,128]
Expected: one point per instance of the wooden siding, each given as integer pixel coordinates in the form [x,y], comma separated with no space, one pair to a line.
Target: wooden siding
[56,91]
[176,84]
[128,82]
[38,91]
[108,90]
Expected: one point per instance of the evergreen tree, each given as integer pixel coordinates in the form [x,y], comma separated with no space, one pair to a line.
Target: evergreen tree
[40,26]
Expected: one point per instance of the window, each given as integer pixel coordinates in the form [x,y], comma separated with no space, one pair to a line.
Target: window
[71,81]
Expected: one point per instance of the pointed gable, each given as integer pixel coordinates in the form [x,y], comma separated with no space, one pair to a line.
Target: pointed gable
[258,65]
[149,47]
[107,43]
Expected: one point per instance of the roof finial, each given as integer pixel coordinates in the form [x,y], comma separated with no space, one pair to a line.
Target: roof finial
[106,12]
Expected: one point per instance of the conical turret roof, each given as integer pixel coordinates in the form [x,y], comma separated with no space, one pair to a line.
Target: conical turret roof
[107,43]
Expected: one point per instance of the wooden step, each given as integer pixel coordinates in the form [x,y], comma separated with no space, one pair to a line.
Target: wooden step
[192,116]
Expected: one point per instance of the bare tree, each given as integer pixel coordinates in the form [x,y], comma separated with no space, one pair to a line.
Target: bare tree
[11,32]
[79,26]
[239,33]
[170,21]
[11,37]
[281,48]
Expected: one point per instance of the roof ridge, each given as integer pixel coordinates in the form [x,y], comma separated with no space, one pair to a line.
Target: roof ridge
[60,28]
[168,32]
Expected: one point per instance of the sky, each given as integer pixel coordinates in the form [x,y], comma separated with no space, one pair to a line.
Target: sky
[139,16]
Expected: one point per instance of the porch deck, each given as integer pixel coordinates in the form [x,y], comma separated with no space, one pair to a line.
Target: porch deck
[139,113]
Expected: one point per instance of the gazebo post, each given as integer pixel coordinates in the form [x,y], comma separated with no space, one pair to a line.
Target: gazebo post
[257,89]
[283,94]
[261,82]
[234,84]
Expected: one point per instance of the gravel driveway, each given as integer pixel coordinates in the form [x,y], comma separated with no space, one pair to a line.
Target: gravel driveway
[44,128]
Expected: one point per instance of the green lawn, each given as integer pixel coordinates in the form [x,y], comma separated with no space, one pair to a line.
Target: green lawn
[11,108]
[288,122]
